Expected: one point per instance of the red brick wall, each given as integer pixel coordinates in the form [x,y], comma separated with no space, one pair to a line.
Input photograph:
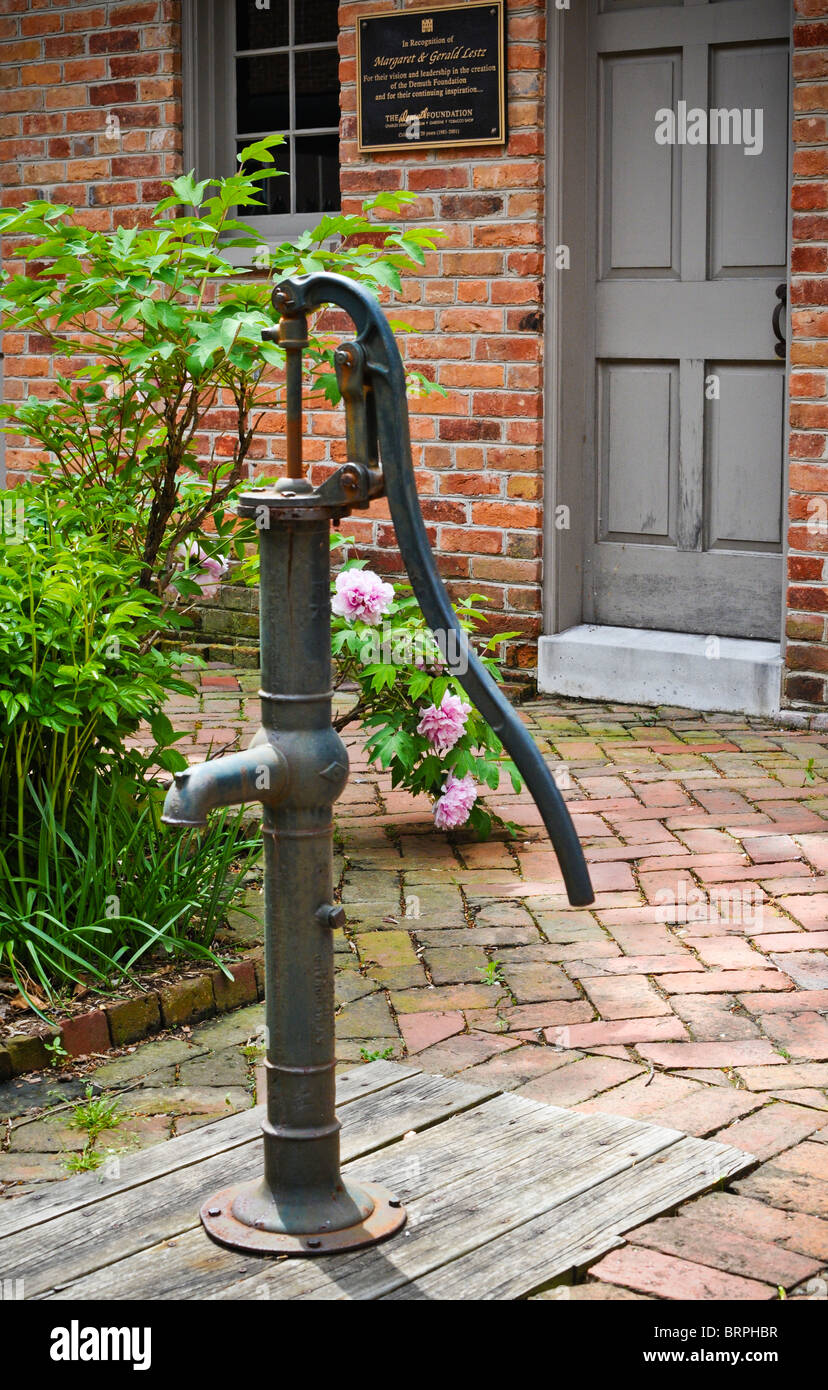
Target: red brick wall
[90,115]
[478,332]
[69,68]
[807,651]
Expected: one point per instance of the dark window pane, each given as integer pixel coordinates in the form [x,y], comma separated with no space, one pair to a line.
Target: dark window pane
[316,21]
[275,192]
[262,28]
[262,86]
[317,89]
[317,173]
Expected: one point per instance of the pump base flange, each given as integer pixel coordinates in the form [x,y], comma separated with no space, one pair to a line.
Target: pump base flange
[217,1218]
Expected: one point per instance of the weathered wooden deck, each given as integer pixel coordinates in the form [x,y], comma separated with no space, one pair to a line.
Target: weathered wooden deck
[504,1195]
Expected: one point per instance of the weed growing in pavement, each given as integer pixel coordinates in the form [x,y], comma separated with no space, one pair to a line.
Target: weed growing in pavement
[381,1056]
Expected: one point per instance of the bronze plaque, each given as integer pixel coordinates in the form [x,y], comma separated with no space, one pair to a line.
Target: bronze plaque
[431,77]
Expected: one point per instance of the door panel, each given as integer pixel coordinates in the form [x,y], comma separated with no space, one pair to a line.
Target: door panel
[638,473]
[638,182]
[748,226]
[745,484]
[691,241]
[714,318]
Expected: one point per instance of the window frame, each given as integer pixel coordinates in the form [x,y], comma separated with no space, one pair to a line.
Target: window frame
[208,52]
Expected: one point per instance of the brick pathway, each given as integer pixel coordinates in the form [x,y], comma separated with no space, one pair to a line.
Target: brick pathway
[694,992]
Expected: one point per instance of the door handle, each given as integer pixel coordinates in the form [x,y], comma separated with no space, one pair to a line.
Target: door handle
[782,298]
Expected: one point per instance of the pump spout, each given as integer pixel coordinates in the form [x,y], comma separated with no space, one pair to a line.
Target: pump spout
[260,773]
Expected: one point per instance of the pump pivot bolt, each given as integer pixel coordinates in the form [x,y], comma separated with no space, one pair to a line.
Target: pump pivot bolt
[331,916]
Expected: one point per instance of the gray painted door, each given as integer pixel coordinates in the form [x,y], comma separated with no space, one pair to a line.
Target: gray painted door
[691,244]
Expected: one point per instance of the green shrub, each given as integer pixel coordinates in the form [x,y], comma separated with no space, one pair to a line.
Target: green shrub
[90,883]
[160,327]
[76,674]
[117,892]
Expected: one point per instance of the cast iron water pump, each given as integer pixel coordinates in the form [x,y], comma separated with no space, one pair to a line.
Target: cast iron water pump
[297,766]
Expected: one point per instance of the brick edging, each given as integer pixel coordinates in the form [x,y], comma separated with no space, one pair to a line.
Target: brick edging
[126,1021]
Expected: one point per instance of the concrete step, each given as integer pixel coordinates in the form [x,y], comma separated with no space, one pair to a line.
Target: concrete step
[640,666]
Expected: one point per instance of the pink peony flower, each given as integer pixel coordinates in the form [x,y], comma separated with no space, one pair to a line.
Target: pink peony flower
[209,572]
[362,594]
[452,809]
[210,575]
[445,723]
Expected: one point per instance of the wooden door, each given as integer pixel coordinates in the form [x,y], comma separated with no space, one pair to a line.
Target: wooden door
[686,439]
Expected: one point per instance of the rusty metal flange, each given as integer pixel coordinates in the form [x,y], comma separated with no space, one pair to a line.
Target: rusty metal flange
[388,1217]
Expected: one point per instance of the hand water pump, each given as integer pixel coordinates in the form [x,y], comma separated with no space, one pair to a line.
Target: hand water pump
[297,766]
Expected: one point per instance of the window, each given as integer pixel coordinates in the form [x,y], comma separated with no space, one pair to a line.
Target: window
[263,69]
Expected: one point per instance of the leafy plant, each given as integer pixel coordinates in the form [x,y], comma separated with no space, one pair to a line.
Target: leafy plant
[90,883]
[491,973]
[158,337]
[87,1161]
[75,677]
[381,1055]
[399,672]
[157,340]
[117,894]
[57,1052]
[95,1114]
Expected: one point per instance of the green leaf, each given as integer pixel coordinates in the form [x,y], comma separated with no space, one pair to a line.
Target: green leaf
[187,190]
[261,150]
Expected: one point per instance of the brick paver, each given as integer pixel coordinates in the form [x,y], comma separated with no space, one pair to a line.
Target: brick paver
[693,993]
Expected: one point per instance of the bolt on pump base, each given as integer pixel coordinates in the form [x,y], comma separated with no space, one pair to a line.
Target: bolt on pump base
[297,766]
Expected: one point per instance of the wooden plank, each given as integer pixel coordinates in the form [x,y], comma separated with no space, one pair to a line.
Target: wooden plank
[481,1208]
[464,1182]
[19,1214]
[454,1149]
[575,1233]
[122,1222]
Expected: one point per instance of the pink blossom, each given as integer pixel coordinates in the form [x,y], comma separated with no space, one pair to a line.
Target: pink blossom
[443,725]
[362,594]
[452,809]
[216,570]
[208,571]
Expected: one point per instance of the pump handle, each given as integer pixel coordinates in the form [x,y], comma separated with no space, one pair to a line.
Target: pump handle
[385,376]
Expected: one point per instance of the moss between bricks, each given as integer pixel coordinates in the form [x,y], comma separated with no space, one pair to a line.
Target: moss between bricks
[27,1052]
[131,1019]
[187,999]
[127,1020]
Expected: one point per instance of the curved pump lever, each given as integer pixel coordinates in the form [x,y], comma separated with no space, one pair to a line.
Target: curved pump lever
[386,420]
